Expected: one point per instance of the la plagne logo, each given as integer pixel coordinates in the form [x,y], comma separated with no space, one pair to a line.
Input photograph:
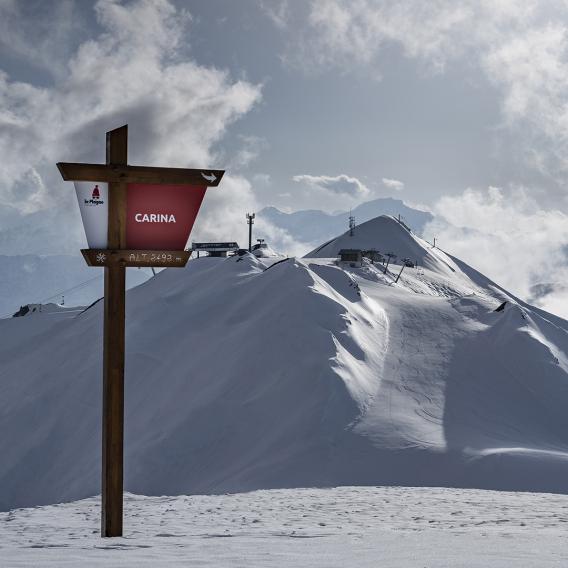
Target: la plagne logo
[95,198]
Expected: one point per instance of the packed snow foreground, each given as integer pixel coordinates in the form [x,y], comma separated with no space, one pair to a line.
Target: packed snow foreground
[246,373]
[360,527]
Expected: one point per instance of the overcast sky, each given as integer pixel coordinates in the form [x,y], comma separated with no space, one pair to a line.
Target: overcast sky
[458,106]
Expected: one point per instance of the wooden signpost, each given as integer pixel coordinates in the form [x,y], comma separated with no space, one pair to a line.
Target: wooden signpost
[126,224]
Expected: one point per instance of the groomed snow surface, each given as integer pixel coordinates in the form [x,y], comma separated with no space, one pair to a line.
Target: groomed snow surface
[331,528]
[248,373]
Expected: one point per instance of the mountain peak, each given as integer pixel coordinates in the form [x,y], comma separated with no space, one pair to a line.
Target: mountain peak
[314,226]
[384,234]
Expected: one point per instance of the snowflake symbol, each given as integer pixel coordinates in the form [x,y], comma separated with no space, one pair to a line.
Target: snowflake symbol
[101,257]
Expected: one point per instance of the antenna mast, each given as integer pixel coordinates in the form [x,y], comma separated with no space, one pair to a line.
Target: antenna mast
[250,221]
[351,224]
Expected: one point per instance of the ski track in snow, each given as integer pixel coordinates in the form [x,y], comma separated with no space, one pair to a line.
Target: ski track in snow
[348,526]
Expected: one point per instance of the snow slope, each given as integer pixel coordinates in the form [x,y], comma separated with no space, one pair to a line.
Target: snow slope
[331,528]
[304,374]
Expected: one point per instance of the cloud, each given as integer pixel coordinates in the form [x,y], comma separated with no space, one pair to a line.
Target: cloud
[393,184]
[39,34]
[231,204]
[508,237]
[262,179]
[277,11]
[343,32]
[134,72]
[554,300]
[531,70]
[249,149]
[340,185]
[222,216]
[329,193]
[279,239]
[520,45]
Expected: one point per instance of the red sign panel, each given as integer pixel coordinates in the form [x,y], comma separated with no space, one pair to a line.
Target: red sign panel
[160,217]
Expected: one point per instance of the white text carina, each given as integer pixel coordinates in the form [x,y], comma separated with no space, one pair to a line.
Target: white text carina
[154,218]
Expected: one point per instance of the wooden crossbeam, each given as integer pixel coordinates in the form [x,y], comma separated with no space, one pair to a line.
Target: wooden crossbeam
[139,174]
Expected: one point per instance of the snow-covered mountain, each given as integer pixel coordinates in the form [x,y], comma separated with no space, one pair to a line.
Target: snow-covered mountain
[243,373]
[384,237]
[313,226]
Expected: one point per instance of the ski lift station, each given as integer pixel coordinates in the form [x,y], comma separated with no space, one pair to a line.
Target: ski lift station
[357,255]
[215,249]
[351,255]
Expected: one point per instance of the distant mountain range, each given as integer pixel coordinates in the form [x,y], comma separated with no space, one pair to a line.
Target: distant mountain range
[313,226]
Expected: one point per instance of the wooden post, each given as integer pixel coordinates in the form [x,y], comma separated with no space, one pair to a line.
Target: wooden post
[115,258]
[113,350]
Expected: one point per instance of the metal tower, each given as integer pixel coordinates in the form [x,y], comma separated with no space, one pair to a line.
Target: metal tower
[250,221]
[351,224]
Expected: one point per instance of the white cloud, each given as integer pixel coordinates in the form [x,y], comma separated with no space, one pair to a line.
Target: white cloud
[222,217]
[38,33]
[342,32]
[262,179]
[508,237]
[393,184]
[330,193]
[341,184]
[134,72]
[248,151]
[532,71]
[520,45]
[555,301]
[279,239]
[278,11]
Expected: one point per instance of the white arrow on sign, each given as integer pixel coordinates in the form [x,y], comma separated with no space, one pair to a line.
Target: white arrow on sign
[209,177]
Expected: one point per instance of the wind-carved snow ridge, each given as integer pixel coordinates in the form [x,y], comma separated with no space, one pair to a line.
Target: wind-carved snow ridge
[312,373]
[362,346]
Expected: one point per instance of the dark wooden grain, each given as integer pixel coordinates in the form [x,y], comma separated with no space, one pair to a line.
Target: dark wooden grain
[138,174]
[114,348]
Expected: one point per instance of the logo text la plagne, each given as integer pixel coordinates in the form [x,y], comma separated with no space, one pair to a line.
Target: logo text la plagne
[138,217]
[95,198]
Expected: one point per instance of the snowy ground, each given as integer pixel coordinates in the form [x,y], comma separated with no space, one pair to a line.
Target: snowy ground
[349,526]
